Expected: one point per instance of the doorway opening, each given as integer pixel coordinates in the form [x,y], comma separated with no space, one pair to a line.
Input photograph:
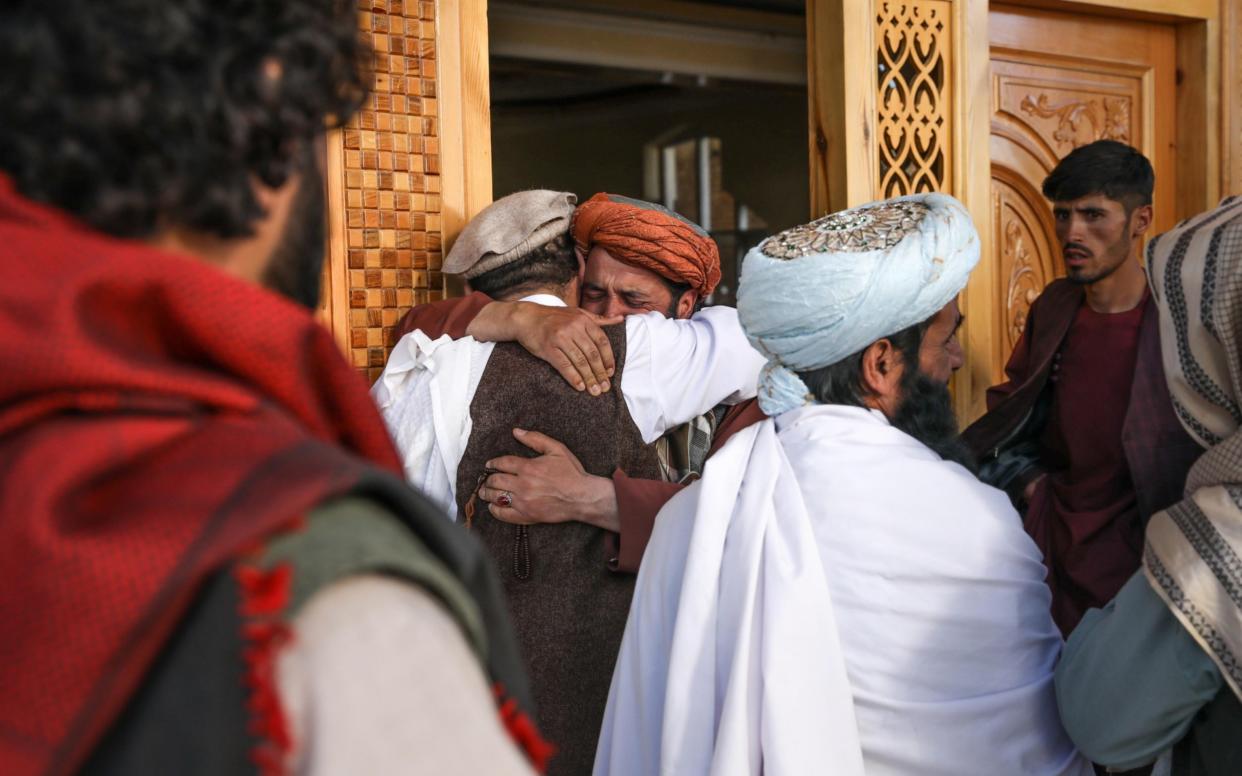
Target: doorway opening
[700,106]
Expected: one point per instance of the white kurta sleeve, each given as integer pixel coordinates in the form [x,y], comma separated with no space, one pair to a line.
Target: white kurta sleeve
[424,395]
[379,680]
[676,370]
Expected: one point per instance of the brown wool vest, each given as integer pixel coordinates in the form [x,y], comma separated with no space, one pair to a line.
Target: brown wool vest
[568,609]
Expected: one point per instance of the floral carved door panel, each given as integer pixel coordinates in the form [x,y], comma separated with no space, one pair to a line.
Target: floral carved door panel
[1022,229]
[1060,82]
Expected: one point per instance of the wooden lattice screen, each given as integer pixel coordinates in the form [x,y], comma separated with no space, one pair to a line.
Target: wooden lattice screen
[914,103]
[384,188]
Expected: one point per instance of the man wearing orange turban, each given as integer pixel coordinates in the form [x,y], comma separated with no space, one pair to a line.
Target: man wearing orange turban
[646,236]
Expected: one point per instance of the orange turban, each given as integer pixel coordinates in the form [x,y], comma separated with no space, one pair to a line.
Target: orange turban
[650,237]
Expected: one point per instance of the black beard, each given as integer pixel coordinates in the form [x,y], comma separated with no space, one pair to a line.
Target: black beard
[926,413]
[1086,280]
[296,268]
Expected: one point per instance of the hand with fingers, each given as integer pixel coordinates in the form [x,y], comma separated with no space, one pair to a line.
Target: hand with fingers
[550,488]
[569,339]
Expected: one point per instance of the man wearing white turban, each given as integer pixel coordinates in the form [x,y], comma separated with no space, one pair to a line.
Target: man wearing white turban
[837,594]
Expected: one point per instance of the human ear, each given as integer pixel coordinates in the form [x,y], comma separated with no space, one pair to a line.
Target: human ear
[1141,220]
[685,304]
[881,375]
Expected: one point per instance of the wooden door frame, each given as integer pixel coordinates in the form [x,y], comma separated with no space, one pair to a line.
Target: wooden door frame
[842,109]
[842,92]
[464,95]
[1200,121]
[841,103]
[1199,131]
[460,108]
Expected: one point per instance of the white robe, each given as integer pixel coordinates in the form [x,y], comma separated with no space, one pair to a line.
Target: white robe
[832,597]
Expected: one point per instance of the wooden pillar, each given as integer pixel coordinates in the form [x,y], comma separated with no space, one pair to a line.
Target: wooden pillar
[465,115]
[407,173]
[1199,160]
[841,110]
[972,184]
[898,105]
[1231,97]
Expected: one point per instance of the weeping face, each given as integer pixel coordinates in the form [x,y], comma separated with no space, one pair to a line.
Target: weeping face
[612,287]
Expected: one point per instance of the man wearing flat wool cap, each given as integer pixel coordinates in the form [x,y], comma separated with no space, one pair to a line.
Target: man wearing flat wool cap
[467,415]
[638,257]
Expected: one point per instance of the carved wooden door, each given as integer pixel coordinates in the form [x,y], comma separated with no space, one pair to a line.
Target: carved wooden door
[1060,81]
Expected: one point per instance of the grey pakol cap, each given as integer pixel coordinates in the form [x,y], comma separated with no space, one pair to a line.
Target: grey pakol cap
[508,229]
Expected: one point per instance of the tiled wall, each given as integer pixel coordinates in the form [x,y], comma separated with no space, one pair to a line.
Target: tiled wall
[391,171]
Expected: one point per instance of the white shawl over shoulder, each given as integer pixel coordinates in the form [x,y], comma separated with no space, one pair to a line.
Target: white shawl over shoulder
[732,603]
[833,595]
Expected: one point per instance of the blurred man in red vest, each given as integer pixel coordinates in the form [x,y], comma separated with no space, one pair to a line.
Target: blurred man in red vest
[208,560]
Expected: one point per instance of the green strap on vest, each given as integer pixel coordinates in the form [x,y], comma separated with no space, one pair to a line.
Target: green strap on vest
[352,536]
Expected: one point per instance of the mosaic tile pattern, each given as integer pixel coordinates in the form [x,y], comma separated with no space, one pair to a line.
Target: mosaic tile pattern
[392,181]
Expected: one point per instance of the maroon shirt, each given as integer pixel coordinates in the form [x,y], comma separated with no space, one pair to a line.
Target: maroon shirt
[1084,515]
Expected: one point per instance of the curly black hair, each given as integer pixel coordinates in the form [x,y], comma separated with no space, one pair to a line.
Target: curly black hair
[137,115]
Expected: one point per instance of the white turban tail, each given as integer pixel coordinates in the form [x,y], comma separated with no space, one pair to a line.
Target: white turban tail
[814,294]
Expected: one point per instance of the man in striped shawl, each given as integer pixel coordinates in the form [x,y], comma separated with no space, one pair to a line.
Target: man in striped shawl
[1158,668]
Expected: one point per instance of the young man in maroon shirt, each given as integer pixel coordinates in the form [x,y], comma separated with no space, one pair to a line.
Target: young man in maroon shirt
[1083,434]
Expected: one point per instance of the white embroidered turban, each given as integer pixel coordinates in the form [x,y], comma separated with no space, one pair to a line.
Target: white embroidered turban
[814,294]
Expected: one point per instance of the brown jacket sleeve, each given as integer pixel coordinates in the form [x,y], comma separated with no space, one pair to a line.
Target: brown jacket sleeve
[1017,369]
[639,501]
[450,316]
[737,418]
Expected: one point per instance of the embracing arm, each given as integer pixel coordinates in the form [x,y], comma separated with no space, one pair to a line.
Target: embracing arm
[450,316]
[1131,679]
[554,488]
[638,503]
[569,339]
[675,370]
